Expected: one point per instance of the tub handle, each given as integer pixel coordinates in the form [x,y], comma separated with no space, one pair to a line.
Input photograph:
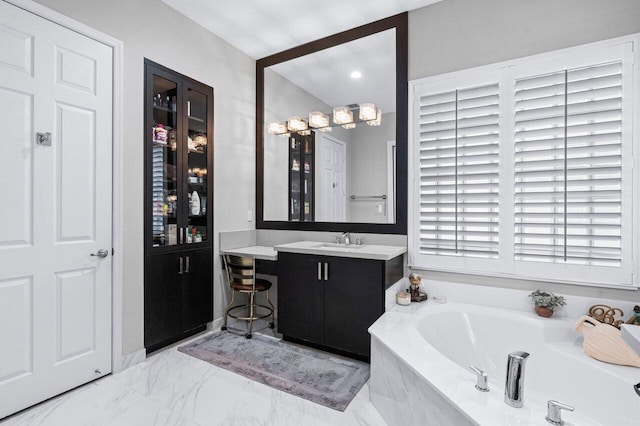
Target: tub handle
[580,326]
[636,388]
[554,413]
[482,379]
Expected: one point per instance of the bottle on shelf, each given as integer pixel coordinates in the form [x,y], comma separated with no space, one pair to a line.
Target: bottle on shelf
[160,134]
[167,103]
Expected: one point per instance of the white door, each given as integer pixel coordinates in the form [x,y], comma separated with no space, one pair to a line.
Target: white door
[331,188]
[55,298]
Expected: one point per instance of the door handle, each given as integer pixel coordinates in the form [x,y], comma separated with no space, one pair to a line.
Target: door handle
[326,271]
[181,270]
[102,253]
[188,261]
[319,271]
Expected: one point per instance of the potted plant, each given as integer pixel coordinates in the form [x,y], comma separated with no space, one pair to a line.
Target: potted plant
[546,303]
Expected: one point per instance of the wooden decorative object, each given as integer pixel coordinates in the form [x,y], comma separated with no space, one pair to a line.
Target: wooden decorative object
[606,314]
[604,342]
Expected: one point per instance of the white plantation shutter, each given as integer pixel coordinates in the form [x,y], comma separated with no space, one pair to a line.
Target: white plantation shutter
[526,169]
[568,166]
[459,144]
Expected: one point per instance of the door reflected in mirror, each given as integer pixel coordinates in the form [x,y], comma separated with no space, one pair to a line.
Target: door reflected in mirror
[327,171]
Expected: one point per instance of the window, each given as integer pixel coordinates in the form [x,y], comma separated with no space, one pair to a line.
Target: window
[525,169]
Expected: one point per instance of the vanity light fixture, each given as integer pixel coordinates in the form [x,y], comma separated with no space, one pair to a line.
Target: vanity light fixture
[342,115]
[296,124]
[367,112]
[376,121]
[277,128]
[318,120]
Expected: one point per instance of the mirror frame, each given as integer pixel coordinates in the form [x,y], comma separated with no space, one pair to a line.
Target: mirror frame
[400,24]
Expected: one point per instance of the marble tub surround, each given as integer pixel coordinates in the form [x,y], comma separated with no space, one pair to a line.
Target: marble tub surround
[364,251]
[426,350]
[172,388]
[506,298]
[631,335]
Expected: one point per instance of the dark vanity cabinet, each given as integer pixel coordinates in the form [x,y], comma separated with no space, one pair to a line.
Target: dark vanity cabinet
[331,301]
[178,287]
[301,177]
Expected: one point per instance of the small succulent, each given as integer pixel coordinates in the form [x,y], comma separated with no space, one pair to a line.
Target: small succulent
[548,300]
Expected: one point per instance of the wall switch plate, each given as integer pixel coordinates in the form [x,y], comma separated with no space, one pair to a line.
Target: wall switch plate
[249,215]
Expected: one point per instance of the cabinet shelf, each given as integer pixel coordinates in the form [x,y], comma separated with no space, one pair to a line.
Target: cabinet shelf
[158,108]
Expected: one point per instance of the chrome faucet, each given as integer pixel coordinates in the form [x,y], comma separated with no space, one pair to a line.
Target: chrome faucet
[514,383]
[347,237]
[554,415]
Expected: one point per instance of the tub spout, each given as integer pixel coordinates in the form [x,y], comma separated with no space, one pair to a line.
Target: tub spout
[514,383]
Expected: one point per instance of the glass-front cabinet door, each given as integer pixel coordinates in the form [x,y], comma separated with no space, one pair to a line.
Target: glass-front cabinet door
[164,163]
[179,126]
[301,177]
[197,171]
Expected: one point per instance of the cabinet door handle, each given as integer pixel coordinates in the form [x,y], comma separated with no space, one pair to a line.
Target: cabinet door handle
[319,271]
[186,269]
[181,270]
[326,271]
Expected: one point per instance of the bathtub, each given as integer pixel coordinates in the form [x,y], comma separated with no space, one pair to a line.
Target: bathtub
[420,375]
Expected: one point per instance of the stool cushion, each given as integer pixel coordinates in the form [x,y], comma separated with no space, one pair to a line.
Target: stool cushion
[261,285]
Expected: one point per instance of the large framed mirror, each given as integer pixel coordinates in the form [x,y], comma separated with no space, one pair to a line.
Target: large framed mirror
[331,132]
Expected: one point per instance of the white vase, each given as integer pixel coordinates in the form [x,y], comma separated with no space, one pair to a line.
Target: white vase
[195,204]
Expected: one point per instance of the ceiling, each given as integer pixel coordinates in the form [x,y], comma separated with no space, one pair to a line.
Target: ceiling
[327,74]
[261,28]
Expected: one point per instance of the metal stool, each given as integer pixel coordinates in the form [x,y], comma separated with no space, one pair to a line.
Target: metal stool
[242,279]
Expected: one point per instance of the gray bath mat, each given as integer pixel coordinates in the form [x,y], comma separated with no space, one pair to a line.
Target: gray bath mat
[320,377]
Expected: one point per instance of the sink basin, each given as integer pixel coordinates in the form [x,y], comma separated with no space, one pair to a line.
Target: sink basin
[339,247]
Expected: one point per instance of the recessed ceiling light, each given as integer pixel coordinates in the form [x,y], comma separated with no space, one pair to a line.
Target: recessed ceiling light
[356,74]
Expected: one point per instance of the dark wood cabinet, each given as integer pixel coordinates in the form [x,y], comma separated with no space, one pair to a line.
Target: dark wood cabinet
[331,301]
[178,206]
[301,177]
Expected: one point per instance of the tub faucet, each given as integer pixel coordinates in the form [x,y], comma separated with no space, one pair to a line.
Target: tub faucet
[514,383]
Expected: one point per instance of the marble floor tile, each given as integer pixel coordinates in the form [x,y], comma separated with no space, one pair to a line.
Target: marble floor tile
[174,389]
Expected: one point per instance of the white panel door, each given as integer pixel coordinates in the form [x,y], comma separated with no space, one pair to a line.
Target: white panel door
[331,195]
[55,298]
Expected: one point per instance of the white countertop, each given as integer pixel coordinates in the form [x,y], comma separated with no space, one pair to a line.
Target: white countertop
[365,251]
[257,252]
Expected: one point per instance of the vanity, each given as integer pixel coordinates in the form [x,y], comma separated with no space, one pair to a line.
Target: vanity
[330,294]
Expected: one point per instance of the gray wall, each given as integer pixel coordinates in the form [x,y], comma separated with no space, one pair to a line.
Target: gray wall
[367,173]
[458,34]
[149,28]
